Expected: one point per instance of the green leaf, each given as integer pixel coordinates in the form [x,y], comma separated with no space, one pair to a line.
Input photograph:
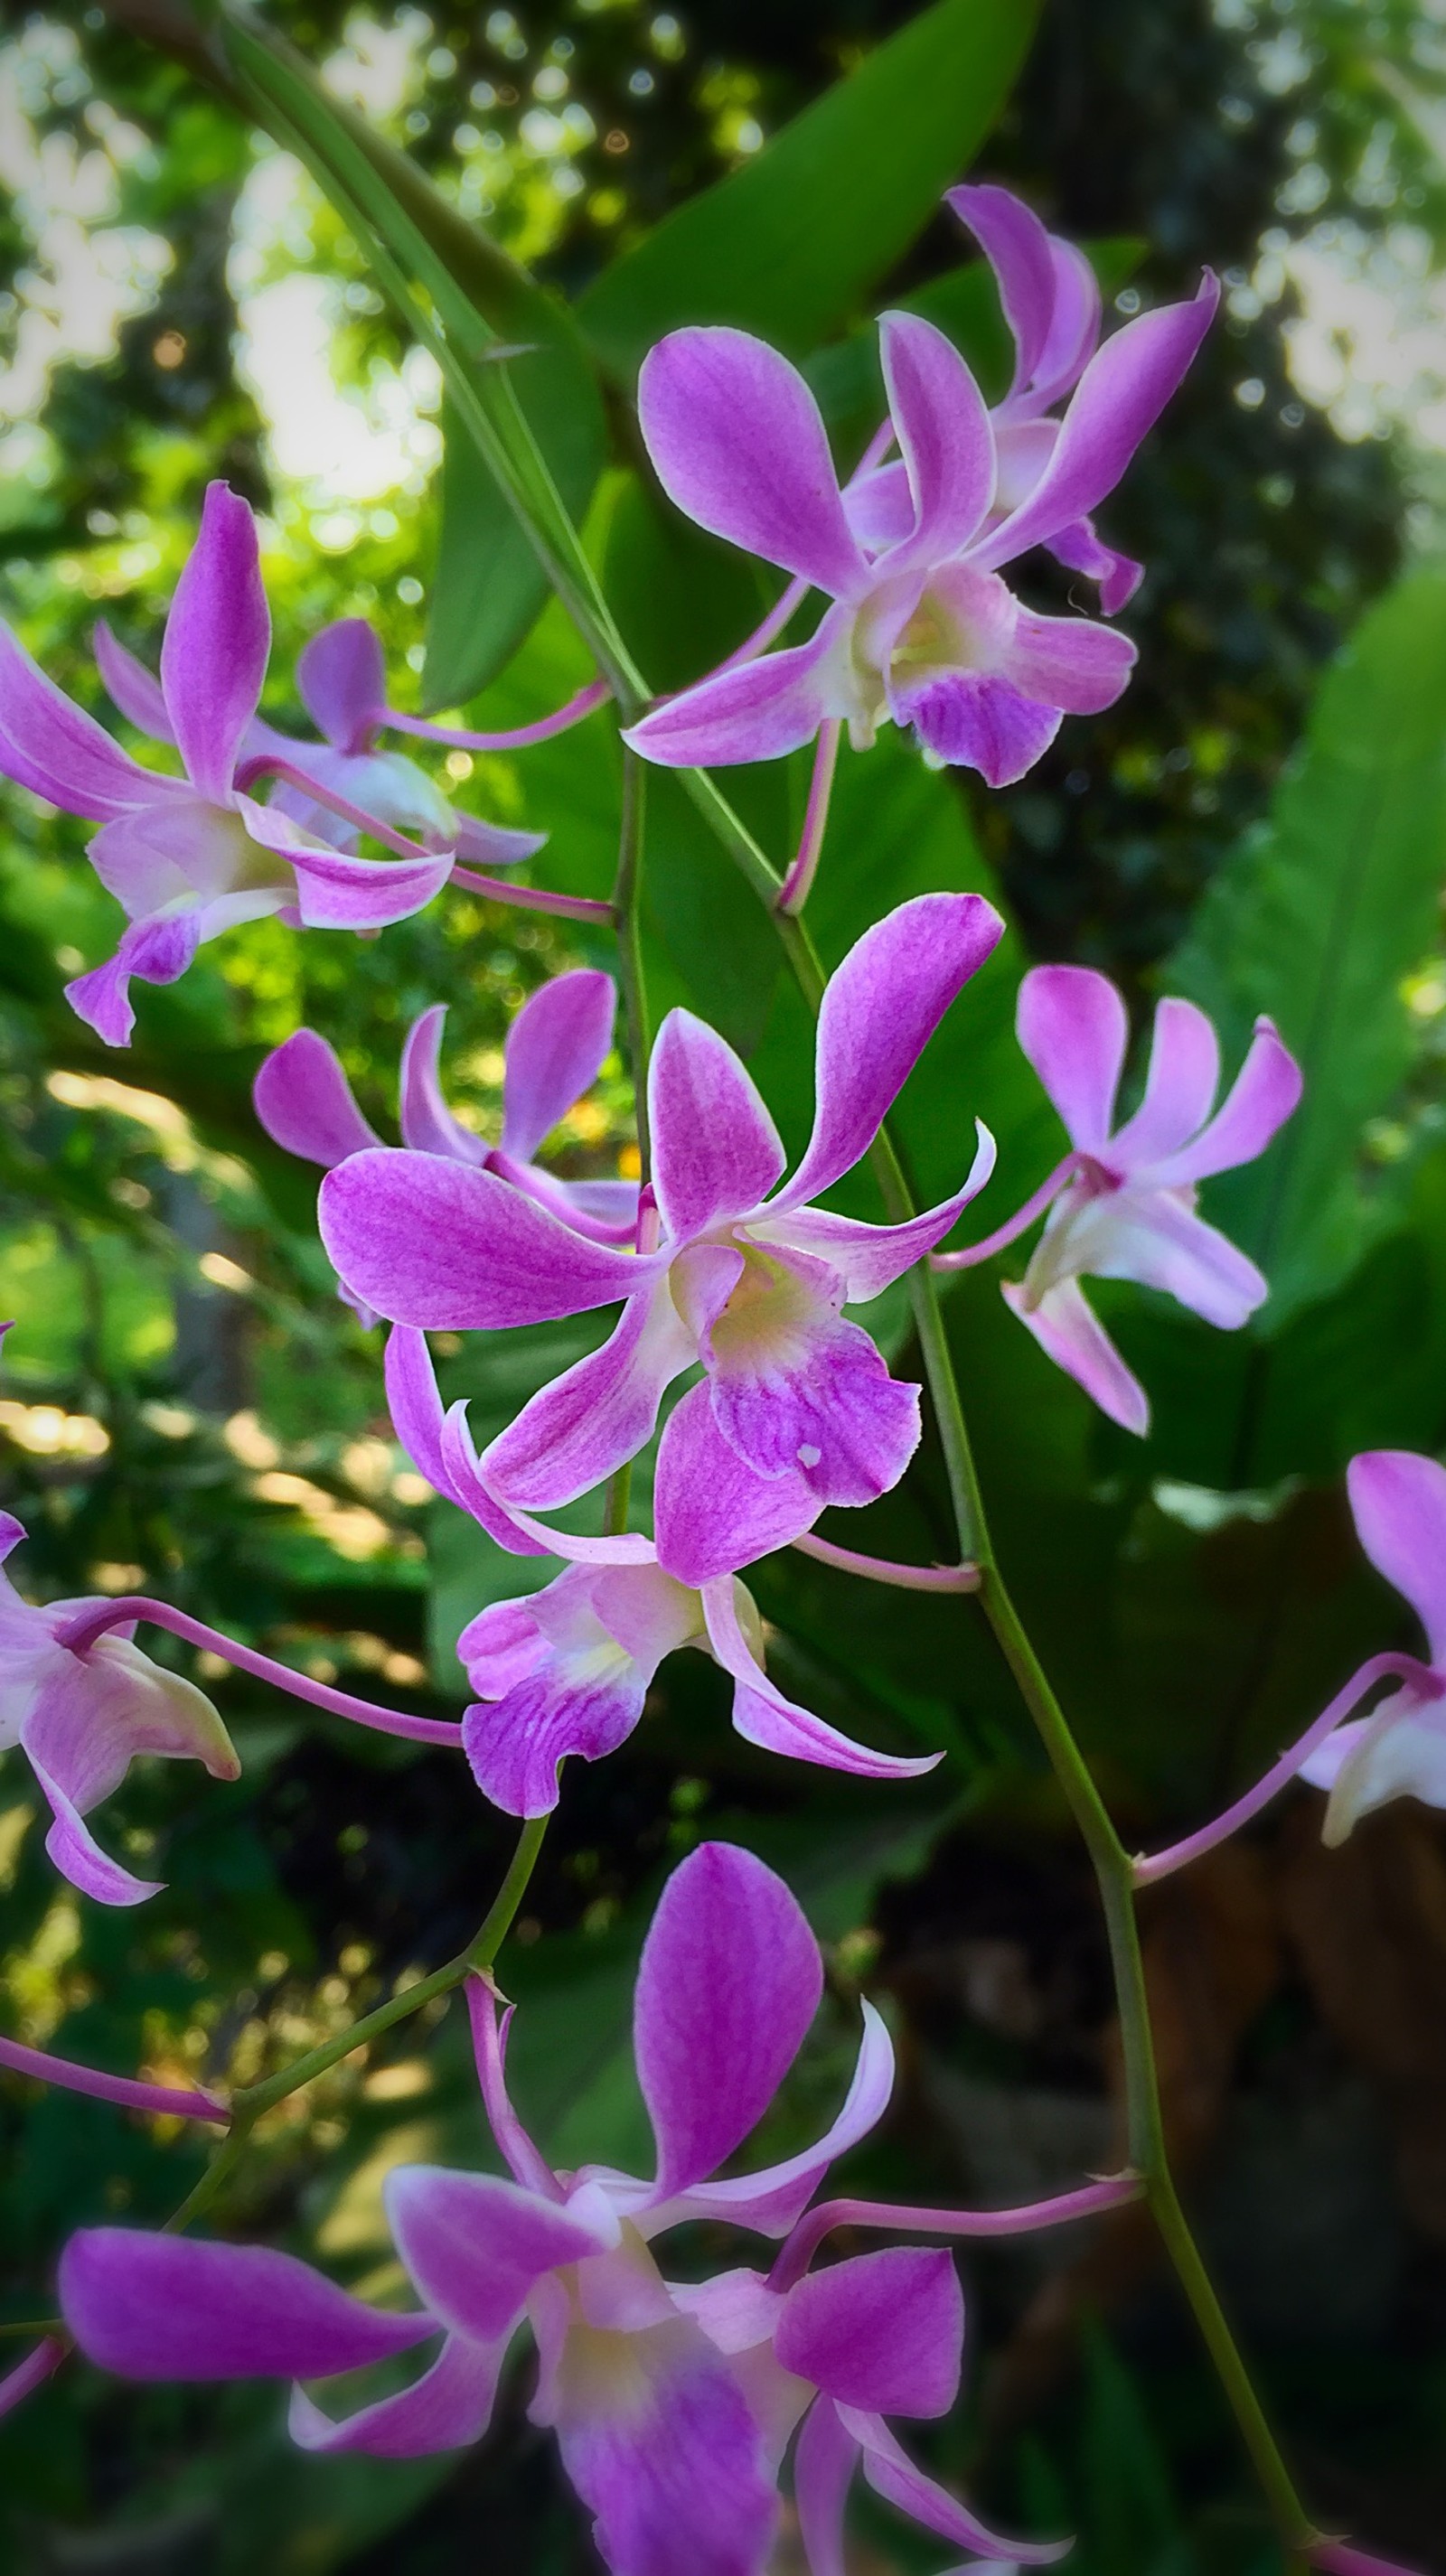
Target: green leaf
[489,583]
[1316,921]
[792,243]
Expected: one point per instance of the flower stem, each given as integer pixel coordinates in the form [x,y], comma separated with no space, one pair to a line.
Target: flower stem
[627,890]
[518,738]
[881,1569]
[1088,2202]
[798,883]
[566,907]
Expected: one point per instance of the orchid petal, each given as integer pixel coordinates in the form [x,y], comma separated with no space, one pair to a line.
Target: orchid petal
[1069,662]
[1400,1752]
[1074,328]
[975,720]
[1072,1026]
[1017,247]
[729,1982]
[1120,396]
[436,1243]
[796,1387]
[51,746]
[716,1151]
[1263,1095]
[672,2468]
[217,640]
[555,1052]
[738,443]
[91,1715]
[585,1693]
[494,845]
[421,1426]
[893,2476]
[474,2244]
[870,1257]
[1070,1333]
[944,435]
[515,1528]
[753,711]
[712,1512]
[773,2201]
[880,507]
[879,1010]
[170,2307]
[1118,575]
[763,1716]
[157,951]
[1398,1501]
[449,2407]
[134,689]
[489,2047]
[1152,1237]
[824,2462]
[337,892]
[883,2331]
[305,1103]
[428,1125]
[1180,1088]
[599,1413]
[343,682]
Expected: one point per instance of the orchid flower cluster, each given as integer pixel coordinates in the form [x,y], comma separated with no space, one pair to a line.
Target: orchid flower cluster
[677,2403]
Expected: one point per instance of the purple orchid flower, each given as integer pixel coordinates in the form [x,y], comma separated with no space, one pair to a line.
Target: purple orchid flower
[878,2335]
[652,2420]
[190,857]
[81,1718]
[797,1408]
[1051,301]
[922,630]
[555,1051]
[566,1670]
[341,678]
[1123,1201]
[1399,1751]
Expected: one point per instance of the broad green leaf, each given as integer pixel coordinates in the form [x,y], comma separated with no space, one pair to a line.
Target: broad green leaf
[1317,920]
[489,583]
[793,242]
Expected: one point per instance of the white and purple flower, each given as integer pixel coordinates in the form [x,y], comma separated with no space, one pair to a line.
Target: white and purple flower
[1122,1202]
[671,2405]
[796,1409]
[922,630]
[1399,1751]
[81,1717]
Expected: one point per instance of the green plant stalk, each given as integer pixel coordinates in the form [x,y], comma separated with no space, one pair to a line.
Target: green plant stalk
[627,893]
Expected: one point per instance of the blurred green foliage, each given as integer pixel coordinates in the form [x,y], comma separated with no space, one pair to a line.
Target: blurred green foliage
[187,1406]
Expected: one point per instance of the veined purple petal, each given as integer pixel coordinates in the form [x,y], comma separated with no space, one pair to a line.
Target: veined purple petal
[870,1257]
[669,2459]
[337,892]
[555,1052]
[449,2407]
[1069,662]
[135,690]
[158,952]
[711,1511]
[738,443]
[796,1388]
[428,1126]
[436,1243]
[1399,1503]
[1017,247]
[90,1716]
[1079,549]
[975,720]
[52,747]
[883,2331]
[773,2200]
[473,2244]
[421,1426]
[494,845]
[599,1413]
[305,1103]
[880,507]
[880,1008]
[1263,1095]
[170,2307]
[893,2475]
[1072,1025]
[729,1982]
[343,683]
[1074,327]
[763,1716]
[1151,1236]
[1120,396]
[577,1686]
[217,640]
[754,711]
[1070,1333]
[716,1151]
[823,2469]
[1180,1088]
[944,437]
